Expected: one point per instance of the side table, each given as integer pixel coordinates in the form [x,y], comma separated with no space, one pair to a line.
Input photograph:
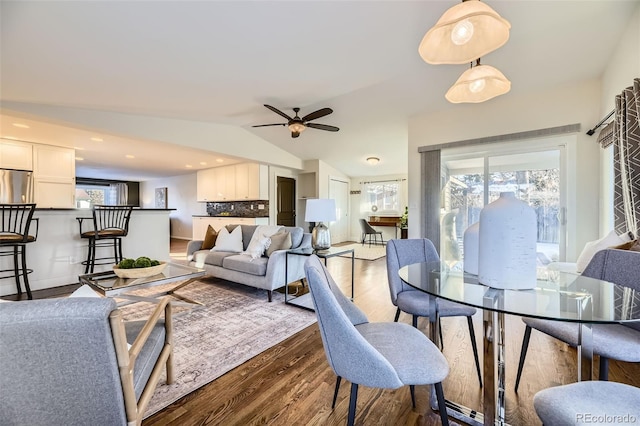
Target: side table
[304,300]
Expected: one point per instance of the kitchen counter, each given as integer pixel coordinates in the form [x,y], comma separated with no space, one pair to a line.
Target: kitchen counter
[57,254]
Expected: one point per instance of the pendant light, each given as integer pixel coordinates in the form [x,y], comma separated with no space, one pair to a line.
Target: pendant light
[478,84]
[466,31]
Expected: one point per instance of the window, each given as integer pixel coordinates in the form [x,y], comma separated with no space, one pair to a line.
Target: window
[382,197]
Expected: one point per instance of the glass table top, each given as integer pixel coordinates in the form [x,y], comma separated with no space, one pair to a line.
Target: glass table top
[557,296]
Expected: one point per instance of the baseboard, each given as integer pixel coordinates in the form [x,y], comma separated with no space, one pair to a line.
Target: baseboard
[173,237]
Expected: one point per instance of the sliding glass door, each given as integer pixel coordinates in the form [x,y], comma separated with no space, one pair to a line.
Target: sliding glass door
[474,180]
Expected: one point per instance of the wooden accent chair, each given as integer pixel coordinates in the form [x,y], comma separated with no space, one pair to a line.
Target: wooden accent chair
[15,227]
[415,302]
[110,225]
[382,355]
[67,362]
[610,341]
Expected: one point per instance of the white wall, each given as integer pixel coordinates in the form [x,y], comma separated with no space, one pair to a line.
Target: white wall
[511,113]
[359,212]
[624,66]
[181,196]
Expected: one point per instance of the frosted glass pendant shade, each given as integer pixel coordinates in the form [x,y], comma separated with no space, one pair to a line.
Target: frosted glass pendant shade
[507,244]
[478,84]
[464,33]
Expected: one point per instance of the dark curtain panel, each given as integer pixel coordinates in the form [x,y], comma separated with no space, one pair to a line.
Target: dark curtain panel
[626,143]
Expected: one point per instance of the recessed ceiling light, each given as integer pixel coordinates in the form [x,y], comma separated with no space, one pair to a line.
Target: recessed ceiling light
[130,156]
[96,139]
[22,126]
[188,166]
[203,163]
[79,159]
[219,160]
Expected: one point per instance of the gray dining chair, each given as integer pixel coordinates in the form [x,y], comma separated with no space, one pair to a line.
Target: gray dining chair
[415,302]
[610,341]
[381,355]
[368,232]
[588,402]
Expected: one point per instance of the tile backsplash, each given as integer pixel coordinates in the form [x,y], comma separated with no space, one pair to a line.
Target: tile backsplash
[255,208]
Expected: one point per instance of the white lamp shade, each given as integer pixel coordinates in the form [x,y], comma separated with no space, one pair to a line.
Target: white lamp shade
[478,84]
[320,210]
[476,28]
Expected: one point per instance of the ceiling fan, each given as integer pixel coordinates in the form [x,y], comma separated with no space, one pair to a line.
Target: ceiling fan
[297,125]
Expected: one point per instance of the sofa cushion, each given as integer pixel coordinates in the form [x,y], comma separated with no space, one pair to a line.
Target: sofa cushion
[244,263]
[279,241]
[296,235]
[215,258]
[229,241]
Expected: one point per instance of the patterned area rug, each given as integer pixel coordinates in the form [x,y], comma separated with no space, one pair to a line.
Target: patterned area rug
[365,252]
[236,324]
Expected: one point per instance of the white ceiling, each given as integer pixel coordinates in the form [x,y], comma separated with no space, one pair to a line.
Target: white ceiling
[67,67]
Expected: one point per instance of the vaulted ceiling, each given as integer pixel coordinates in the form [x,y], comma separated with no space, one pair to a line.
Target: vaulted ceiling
[181,82]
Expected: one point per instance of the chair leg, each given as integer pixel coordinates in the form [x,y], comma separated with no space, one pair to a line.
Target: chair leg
[25,273]
[523,355]
[120,258]
[414,321]
[91,261]
[475,348]
[397,315]
[440,331]
[412,389]
[604,369]
[16,272]
[335,392]
[442,405]
[352,404]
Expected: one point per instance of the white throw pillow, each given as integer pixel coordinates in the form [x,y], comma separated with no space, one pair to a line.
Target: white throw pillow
[229,242]
[260,240]
[592,247]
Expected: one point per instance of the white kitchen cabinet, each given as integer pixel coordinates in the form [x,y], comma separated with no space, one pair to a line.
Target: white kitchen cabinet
[247,181]
[200,223]
[54,171]
[16,155]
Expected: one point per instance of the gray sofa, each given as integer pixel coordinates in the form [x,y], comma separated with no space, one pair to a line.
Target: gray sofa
[266,273]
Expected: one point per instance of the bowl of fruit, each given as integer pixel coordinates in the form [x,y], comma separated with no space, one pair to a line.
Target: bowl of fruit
[141,267]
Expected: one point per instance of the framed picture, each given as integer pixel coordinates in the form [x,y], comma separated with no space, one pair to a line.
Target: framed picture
[161,198]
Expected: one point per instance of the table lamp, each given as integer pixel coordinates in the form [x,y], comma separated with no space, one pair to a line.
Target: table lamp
[320,210]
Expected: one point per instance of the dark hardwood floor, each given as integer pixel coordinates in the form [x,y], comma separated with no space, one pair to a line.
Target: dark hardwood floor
[291,383]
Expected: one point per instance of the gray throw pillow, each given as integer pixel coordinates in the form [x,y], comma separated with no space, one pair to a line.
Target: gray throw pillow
[279,241]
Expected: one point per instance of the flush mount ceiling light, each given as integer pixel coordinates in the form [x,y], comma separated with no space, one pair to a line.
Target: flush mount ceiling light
[478,84]
[373,160]
[464,33]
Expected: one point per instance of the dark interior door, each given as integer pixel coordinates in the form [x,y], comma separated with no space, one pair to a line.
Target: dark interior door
[286,194]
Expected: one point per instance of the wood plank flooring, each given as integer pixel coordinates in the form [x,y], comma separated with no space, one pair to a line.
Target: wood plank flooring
[292,384]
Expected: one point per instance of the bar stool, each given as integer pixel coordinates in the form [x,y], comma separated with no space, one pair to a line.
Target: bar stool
[110,224]
[14,237]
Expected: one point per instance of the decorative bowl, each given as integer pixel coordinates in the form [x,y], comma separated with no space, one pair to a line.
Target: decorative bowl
[139,272]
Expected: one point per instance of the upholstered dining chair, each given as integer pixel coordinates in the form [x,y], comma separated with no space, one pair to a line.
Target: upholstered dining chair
[368,232]
[588,402]
[67,362]
[382,355]
[415,302]
[610,341]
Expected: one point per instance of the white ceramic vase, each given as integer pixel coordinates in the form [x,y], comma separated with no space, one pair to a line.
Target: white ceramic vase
[471,243]
[507,250]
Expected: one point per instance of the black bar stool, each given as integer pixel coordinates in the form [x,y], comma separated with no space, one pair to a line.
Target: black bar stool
[110,225]
[14,237]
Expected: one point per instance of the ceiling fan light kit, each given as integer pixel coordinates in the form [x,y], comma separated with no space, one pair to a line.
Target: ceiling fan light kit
[463,34]
[298,125]
[478,84]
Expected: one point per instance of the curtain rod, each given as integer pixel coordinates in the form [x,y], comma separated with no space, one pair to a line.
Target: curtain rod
[590,132]
[389,180]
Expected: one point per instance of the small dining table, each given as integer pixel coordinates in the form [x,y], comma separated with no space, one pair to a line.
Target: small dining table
[557,296]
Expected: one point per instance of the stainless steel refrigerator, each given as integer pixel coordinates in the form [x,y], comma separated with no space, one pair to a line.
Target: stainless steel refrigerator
[16,186]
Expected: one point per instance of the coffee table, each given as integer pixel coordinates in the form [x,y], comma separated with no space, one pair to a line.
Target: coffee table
[108,284]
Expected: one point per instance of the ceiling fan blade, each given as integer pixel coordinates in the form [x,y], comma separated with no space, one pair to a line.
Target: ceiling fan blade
[317,114]
[323,127]
[274,124]
[277,111]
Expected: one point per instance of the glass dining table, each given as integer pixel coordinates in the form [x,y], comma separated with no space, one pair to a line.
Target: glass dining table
[558,296]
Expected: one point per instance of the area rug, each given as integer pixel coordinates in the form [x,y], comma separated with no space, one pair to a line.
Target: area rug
[236,324]
[365,252]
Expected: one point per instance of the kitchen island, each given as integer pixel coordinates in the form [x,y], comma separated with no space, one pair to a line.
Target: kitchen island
[57,254]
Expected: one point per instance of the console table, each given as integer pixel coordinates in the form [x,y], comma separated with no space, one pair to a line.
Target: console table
[386,221]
